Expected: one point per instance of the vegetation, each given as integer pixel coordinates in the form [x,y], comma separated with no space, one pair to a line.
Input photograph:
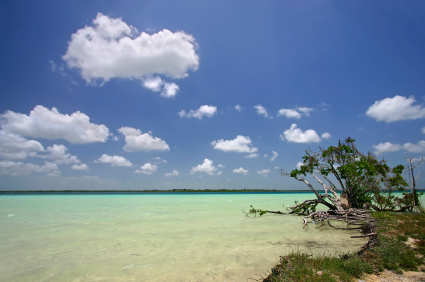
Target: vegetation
[356,182]
[392,252]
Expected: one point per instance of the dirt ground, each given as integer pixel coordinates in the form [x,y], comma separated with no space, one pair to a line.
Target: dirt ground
[389,276]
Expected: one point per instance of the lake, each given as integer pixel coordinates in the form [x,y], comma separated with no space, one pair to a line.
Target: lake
[153,237]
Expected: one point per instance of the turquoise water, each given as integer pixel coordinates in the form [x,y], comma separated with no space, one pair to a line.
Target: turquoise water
[152,237]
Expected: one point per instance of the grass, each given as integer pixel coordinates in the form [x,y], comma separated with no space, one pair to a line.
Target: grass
[392,253]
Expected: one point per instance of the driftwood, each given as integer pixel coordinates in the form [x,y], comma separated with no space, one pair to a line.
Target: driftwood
[356,219]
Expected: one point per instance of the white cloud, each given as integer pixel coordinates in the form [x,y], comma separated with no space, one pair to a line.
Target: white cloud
[289,113]
[156,84]
[58,154]
[296,135]
[158,160]
[390,147]
[147,168]
[204,110]
[206,167]
[113,49]
[275,155]
[265,155]
[386,147]
[240,144]
[305,110]
[80,167]
[220,165]
[50,124]
[114,160]
[219,173]
[173,173]
[423,130]
[264,172]
[253,155]
[326,135]
[238,108]
[170,90]
[261,110]
[299,165]
[241,171]
[18,168]
[396,108]
[13,146]
[136,141]
[55,173]
[153,83]
[415,148]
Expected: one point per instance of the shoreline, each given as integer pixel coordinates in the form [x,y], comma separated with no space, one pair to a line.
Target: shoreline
[174,191]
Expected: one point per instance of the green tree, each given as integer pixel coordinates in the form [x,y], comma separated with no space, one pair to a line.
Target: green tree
[352,179]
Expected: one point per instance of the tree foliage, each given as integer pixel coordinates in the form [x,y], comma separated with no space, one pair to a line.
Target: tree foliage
[354,180]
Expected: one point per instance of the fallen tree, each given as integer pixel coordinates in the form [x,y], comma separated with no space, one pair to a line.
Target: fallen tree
[353,184]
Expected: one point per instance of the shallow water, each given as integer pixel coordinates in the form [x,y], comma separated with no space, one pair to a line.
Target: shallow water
[152,237]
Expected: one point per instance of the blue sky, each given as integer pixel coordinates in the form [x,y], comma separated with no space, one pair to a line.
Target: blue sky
[203,94]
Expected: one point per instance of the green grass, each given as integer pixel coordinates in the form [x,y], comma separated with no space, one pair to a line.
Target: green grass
[391,253]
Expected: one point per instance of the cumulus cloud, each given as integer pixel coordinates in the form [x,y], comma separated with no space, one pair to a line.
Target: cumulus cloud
[59,155]
[156,84]
[220,165]
[80,167]
[250,156]
[275,155]
[396,108]
[153,83]
[296,135]
[390,147]
[264,172]
[110,48]
[147,168]
[219,173]
[206,167]
[386,147]
[289,113]
[170,90]
[18,168]
[204,110]
[173,173]
[241,144]
[15,147]
[241,171]
[261,110]
[305,110]
[50,124]
[158,160]
[415,148]
[114,160]
[292,113]
[326,135]
[136,141]
[299,165]
[238,108]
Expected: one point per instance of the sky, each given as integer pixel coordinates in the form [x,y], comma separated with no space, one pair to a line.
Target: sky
[146,95]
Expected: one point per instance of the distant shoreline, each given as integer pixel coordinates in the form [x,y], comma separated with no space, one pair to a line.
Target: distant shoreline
[174,191]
